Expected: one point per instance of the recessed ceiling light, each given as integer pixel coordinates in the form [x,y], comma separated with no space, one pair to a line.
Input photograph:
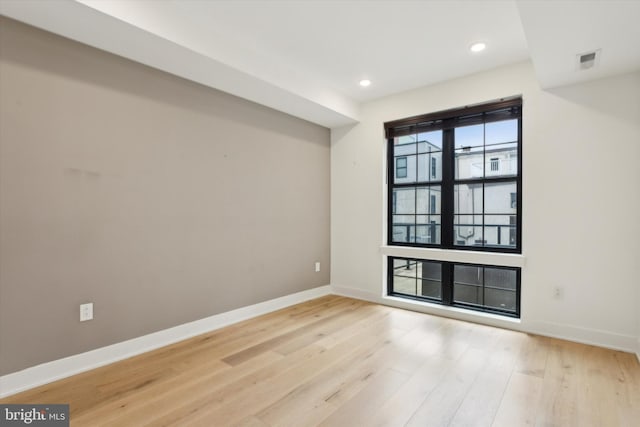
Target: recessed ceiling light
[478,47]
[365,82]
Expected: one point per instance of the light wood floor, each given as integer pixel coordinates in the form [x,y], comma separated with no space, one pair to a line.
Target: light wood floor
[336,361]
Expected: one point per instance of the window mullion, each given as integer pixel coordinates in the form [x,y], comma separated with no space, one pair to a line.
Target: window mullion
[391,179]
[447,201]
[447,283]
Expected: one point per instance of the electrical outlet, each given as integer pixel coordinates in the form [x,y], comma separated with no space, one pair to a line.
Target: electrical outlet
[86,311]
[317,266]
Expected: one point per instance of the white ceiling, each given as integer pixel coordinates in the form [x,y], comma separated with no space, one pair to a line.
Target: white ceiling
[557,31]
[306,57]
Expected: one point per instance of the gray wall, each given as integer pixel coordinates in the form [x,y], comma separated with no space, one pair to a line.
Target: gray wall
[160,200]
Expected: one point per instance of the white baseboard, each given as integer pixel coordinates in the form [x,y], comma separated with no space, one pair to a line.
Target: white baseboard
[594,337]
[51,371]
[606,339]
[356,293]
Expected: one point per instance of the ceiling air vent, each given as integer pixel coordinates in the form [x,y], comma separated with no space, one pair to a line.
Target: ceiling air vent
[588,60]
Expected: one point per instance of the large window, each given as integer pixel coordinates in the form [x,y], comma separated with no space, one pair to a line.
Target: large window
[477,287]
[455,178]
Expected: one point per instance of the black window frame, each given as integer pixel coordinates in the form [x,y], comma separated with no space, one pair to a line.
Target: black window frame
[448,121]
[447,292]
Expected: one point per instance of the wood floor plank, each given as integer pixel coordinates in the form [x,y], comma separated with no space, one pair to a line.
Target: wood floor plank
[318,397]
[199,383]
[329,390]
[307,331]
[519,404]
[237,391]
[533,355]
[399,408]
[262,394]
[441,405]
[478,408]
[329,329]
[601,389]
[560,397]
[356,411]
[213,394]
[336,361]
[251,421]
[629,379]
[236,351]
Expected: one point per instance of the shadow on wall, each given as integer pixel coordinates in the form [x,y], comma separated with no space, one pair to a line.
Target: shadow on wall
[601,96]
[337,134]
[85,63]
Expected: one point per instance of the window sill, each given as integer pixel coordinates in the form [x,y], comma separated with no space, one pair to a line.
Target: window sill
[470,257]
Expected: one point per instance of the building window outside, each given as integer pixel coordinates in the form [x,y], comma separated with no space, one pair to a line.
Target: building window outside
[401,167]
[476,287]
[451,199]
[512,229]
